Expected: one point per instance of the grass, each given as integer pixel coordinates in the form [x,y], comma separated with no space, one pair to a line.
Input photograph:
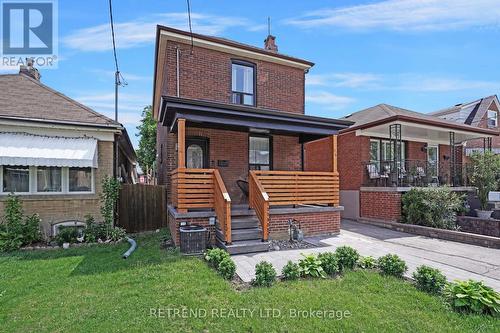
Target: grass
[94,290]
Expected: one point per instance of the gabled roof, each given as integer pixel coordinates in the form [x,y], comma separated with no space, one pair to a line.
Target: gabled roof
[384,113]
[469,113]
[24,98]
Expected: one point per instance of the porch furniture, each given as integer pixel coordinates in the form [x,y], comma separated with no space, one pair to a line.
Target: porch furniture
[243,185]
[374,175]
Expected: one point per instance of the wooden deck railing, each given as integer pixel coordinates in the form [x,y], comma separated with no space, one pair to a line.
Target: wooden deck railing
[281,188]
[259,201]
[203,188]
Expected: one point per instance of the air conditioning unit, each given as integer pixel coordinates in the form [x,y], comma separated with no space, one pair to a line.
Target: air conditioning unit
[193,239]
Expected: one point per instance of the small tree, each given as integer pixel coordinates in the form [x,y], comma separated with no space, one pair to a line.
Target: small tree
[485,174]
[146,153]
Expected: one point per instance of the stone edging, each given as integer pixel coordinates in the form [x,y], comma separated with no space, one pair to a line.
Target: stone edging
[451,235]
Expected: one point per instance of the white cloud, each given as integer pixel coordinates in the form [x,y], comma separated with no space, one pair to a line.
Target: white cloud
[130,106]
[406,15]
[331,101]
[142,32]
[421,83]
[348,80]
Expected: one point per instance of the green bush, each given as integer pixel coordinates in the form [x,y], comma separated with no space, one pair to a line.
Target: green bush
[485,174]
[15,229]
[101,231]
[429,279]
[347,257]
[227,268]
[310,265]
[66,234]
[472,296]
[432,207]
[391,264]
[367,262]
[265,274]
[215,257]
[291,271]
[329,263]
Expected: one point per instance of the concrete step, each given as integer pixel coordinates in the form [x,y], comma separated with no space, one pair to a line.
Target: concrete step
[241,247]
[246,222]
[242,234]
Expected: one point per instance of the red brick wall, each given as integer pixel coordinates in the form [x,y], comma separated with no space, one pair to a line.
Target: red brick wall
[231,146]
[353,151]
[206,74]
[380,205]
[415,151]
[318,155]
[312,224]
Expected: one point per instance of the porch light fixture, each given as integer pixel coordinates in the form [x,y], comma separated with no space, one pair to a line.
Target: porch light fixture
[424,147]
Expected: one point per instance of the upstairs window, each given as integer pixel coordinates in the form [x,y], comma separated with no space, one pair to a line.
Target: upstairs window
[492,118]
[242,83]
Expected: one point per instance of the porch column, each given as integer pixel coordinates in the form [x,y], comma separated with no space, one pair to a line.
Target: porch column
[453,160]
[181,143]
[336,202]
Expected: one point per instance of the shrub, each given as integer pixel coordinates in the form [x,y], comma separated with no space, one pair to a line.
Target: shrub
[215,257]
[472,296]
[391,264]
[485,174]
[17,230]
[310,265]
[265,274]
[429,279]
[329,263]
[101,231]
[432,207]
[109,198]
[291,271]
[347,257]
[227,268]
[368,262]
[66,234]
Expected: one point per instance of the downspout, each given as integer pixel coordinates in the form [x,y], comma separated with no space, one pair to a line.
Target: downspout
[133,246]
[177,71]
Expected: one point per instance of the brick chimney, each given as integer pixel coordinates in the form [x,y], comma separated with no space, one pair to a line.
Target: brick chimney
[270,44]
[30,70]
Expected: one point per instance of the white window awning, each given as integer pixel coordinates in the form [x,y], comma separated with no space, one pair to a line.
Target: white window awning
[38,150]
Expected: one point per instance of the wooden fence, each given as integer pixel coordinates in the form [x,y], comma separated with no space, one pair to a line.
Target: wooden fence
[142,207]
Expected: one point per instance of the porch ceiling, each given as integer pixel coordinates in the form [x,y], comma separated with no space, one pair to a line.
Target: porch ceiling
[422,133]
[243,118]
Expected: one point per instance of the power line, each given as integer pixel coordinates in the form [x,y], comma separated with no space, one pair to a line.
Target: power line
[190,28]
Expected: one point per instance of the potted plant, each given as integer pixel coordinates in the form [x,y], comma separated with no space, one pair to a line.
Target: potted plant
[485,171]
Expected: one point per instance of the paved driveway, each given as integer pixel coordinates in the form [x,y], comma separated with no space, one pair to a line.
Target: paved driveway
[455,260]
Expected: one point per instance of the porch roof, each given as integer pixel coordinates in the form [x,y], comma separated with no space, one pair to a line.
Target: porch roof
[246,118]
[375,121]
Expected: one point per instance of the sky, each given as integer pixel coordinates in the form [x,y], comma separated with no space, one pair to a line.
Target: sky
[422,55]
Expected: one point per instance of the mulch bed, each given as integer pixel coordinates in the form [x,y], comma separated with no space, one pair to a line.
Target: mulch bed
[282,245]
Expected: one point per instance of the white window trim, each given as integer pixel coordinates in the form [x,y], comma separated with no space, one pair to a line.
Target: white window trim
[491,118]
[33,184]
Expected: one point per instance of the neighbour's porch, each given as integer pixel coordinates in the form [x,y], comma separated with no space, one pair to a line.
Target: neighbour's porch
[264,174]
[404,154]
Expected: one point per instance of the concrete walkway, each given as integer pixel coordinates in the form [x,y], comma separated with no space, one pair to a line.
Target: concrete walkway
[455,260]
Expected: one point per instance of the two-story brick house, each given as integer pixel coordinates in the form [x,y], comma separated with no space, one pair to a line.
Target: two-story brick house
[231,129]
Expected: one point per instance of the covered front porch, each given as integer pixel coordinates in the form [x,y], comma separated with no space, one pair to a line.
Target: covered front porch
[250,159]
[409,154]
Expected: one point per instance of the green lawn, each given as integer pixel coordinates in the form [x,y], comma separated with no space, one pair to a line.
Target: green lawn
[93,289]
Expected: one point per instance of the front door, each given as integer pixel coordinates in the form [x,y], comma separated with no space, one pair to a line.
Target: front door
[196,153]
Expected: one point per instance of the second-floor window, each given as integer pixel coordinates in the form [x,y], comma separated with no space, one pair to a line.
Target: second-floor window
[242,83]
[492,118]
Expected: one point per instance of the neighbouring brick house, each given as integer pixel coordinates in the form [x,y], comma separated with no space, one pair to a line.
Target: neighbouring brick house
[389,150]
[230,137]
[482,113]
[54,151]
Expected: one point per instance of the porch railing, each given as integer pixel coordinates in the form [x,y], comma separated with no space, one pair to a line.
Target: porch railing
[415,173]
[203,188]
[283,188]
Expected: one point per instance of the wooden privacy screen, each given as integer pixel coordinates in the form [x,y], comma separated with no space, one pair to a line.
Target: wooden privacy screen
[202,188]
[299,187]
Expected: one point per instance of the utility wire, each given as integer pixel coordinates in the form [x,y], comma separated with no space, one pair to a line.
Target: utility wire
[190,28]
[119,80]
